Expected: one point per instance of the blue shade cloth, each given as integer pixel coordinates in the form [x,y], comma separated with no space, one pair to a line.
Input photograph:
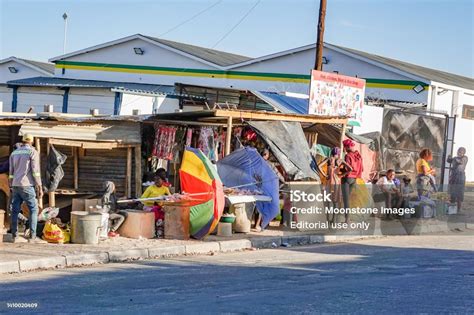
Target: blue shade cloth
[283,103]
[246,167]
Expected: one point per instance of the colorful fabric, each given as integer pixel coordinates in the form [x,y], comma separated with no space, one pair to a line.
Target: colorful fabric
[199,178]
[206,142]
[164,142]
[348,143]
[189,137]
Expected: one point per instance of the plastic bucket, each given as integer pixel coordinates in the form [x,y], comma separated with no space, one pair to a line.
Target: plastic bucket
[85,227]
[104,225]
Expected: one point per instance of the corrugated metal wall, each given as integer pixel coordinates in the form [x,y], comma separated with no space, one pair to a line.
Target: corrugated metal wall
[5,135]
[95,167]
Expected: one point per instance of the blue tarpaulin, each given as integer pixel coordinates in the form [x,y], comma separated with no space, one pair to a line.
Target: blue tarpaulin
[246,168]
[283,103]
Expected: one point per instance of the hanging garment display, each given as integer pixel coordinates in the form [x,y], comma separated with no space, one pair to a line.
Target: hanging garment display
[179,143]
[206,142]
[164,142]
[189,137]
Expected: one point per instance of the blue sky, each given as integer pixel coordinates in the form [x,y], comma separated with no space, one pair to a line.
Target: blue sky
[436,33]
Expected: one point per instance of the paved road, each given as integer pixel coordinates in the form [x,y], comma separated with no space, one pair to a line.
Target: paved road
[410,274]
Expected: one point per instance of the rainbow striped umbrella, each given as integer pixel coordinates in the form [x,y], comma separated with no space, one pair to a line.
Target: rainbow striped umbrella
[199,178]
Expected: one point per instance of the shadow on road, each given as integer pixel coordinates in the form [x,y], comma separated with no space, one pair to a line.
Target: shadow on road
[334,278]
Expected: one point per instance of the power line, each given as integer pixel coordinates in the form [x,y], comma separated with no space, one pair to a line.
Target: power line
[191,18]
[238,23]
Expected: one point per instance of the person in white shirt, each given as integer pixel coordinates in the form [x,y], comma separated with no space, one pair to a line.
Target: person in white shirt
[389,188]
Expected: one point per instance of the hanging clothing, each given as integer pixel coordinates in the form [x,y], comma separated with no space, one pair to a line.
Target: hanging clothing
[189,137]
[164,142]
[206,142]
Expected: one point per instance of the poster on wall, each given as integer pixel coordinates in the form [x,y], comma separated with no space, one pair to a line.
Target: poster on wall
[332,94]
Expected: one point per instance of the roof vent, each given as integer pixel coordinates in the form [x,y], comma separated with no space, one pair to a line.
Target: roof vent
[94,112]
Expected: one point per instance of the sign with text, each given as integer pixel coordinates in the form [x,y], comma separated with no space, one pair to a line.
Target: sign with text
[333,94]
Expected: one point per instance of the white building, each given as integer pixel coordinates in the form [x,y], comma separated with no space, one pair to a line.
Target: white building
[14,68]
[157,65]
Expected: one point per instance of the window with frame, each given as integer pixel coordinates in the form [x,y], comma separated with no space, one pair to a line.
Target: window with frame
[468,112]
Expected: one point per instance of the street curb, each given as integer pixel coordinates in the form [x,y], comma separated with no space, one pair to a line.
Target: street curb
[9,266]
[42,263]
[234,245]
[128,254]
[76,260]
[198,248]
[202,248]
[159,252]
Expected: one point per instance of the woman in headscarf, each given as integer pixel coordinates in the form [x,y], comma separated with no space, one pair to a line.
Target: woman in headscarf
[335,169]
[457,177]
[354,160]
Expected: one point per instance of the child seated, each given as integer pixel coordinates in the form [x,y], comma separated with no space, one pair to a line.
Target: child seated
[109,204]
[156,190]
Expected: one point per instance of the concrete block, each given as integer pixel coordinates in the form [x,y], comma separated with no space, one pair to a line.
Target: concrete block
[266,242]
[128,254]
[202,248]
[235,245]
[316,239]
[167,251]
[296,240]
[330,238]
[42,263]
[86,259]
[9,266]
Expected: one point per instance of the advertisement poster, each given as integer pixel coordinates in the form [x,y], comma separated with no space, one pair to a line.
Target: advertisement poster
[333,94]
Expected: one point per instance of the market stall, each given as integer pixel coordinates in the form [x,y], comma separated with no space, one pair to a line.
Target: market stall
[220,135]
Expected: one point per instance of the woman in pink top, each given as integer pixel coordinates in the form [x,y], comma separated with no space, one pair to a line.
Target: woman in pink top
[354,160]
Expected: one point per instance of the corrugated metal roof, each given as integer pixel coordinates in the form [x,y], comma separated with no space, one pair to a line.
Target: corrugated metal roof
[136,88]
[46,66]
[126,133]
[64,82]
[427,73]
[217,57]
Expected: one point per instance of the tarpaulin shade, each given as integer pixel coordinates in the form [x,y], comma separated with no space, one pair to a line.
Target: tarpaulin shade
[245,168]
[288,143]
[199,178]
[283,103]
[404,134]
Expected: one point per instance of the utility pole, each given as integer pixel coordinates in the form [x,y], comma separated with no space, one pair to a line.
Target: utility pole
[65,32]
[318,65]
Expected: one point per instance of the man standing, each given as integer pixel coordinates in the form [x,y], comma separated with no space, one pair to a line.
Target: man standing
[25,182]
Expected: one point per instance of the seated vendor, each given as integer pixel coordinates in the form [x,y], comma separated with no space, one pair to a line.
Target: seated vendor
[153,191]
[156,190]
[161,172]
[389,188]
